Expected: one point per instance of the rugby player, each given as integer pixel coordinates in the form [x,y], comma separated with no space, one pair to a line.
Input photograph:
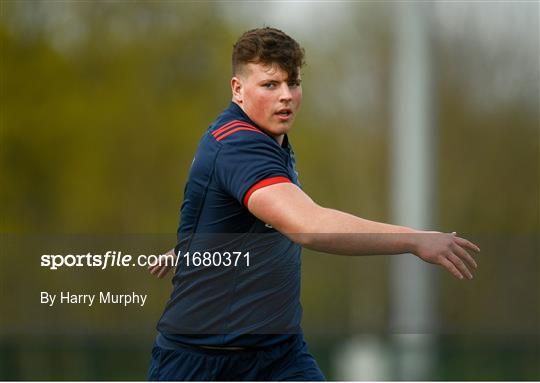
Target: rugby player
[242,322]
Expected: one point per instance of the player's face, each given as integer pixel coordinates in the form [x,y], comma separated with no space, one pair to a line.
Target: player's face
[268,97]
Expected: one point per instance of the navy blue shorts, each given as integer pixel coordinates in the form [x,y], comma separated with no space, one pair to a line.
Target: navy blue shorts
[288,361]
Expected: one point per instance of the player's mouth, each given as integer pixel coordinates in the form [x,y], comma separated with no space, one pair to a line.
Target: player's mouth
[284,114]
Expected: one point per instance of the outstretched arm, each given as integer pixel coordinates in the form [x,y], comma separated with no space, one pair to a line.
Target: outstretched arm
[292,212]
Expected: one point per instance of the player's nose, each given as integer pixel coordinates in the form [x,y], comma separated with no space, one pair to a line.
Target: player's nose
[285,94]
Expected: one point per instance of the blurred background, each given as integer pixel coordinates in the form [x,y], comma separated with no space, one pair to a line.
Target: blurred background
[424,114]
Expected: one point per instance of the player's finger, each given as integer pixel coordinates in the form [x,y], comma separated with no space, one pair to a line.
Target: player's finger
[169,259]
[156,269]
[467,244]
[161,274]
[154,266]
[450,267]
[463,254]
[460,265]
[164,271]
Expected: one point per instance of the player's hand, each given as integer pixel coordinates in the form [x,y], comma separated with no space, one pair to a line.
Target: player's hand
[165,263]
[448,250]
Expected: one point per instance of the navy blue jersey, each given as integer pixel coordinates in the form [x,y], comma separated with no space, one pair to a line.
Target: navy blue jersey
[256,301]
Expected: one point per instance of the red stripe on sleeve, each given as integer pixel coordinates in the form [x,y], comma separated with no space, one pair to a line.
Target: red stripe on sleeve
[263,183]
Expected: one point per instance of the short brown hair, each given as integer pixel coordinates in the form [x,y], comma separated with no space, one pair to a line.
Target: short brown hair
[268,46]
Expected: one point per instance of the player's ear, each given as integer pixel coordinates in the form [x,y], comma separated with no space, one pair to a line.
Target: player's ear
[237,89]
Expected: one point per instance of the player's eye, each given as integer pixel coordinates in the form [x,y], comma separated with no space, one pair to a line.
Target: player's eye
[294,84]
[269,85]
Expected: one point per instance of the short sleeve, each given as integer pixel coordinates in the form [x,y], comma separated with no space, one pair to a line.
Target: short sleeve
[246,166]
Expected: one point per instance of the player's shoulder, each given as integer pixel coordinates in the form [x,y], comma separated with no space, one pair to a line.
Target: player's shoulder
[238,132]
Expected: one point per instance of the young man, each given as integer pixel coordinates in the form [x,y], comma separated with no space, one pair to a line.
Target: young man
[241,321]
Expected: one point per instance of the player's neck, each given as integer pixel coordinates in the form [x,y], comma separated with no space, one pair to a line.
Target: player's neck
[279,138]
